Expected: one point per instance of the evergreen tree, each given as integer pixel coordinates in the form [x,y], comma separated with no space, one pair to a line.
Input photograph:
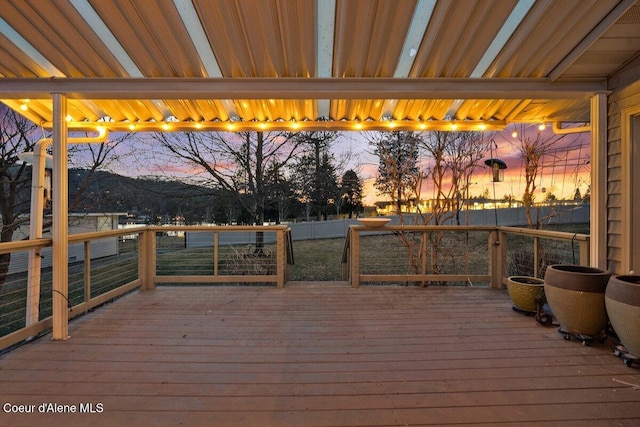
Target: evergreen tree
[351,193]
[315,174]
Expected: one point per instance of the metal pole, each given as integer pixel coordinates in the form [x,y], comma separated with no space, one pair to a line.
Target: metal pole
[35,230]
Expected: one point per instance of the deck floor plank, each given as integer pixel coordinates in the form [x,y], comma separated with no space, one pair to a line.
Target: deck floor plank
[317,356]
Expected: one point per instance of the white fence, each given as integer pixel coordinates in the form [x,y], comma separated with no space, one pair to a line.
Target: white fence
[559,214]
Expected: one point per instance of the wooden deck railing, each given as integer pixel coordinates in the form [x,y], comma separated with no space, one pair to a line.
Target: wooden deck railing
[135,258]
[143,257]
[26,304]
[455,254]
[219,254]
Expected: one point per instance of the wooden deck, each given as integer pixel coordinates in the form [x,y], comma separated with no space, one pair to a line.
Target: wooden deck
[317,354]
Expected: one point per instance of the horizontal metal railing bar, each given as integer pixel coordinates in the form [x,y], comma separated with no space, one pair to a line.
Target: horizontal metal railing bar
[425,277]
[44,324]
[101,299]
[229,228]
[216,279]
[425,228]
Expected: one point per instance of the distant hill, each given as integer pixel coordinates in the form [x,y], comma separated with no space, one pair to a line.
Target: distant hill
[152,197]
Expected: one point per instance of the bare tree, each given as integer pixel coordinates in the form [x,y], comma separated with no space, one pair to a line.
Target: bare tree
[398,174]
[449,159]
[452,159]
[537,152]
[94,157]
[17,135]
[238,163]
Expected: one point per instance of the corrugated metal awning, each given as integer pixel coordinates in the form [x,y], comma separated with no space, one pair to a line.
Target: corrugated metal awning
[343,64]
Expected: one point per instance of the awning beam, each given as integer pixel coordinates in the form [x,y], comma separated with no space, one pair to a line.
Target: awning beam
[298,88]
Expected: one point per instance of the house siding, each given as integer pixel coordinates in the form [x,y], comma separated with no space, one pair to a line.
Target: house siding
[619,100]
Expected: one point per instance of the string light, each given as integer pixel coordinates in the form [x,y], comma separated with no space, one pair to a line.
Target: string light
[291,125]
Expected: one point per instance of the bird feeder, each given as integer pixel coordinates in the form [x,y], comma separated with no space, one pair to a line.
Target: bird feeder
[497,167]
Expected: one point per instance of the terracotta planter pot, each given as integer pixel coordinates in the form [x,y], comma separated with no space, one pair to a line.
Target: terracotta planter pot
[524,290]
[575,295]
[622,300]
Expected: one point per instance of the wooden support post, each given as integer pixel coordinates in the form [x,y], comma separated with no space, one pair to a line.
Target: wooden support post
[60,226]
[147,259]
[599,204]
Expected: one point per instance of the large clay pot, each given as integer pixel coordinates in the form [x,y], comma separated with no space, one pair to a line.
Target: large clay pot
[524,290]
[622,300]
[575,295]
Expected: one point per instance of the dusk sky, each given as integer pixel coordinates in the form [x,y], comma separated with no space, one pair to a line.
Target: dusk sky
[560,176]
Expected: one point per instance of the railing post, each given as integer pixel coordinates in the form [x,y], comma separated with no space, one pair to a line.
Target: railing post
[216,252]
[147,261]
[281,258]
[585,254]
[346,257]
[536,260]
[354,258]
[496,258]
[423,250]
[87,271]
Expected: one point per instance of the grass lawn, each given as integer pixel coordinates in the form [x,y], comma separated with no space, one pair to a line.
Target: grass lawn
[318,260]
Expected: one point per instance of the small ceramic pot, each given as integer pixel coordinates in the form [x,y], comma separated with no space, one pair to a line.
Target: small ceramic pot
[524,290]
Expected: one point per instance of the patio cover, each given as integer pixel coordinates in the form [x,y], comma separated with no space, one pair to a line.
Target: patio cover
[296,64]
[236,65]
